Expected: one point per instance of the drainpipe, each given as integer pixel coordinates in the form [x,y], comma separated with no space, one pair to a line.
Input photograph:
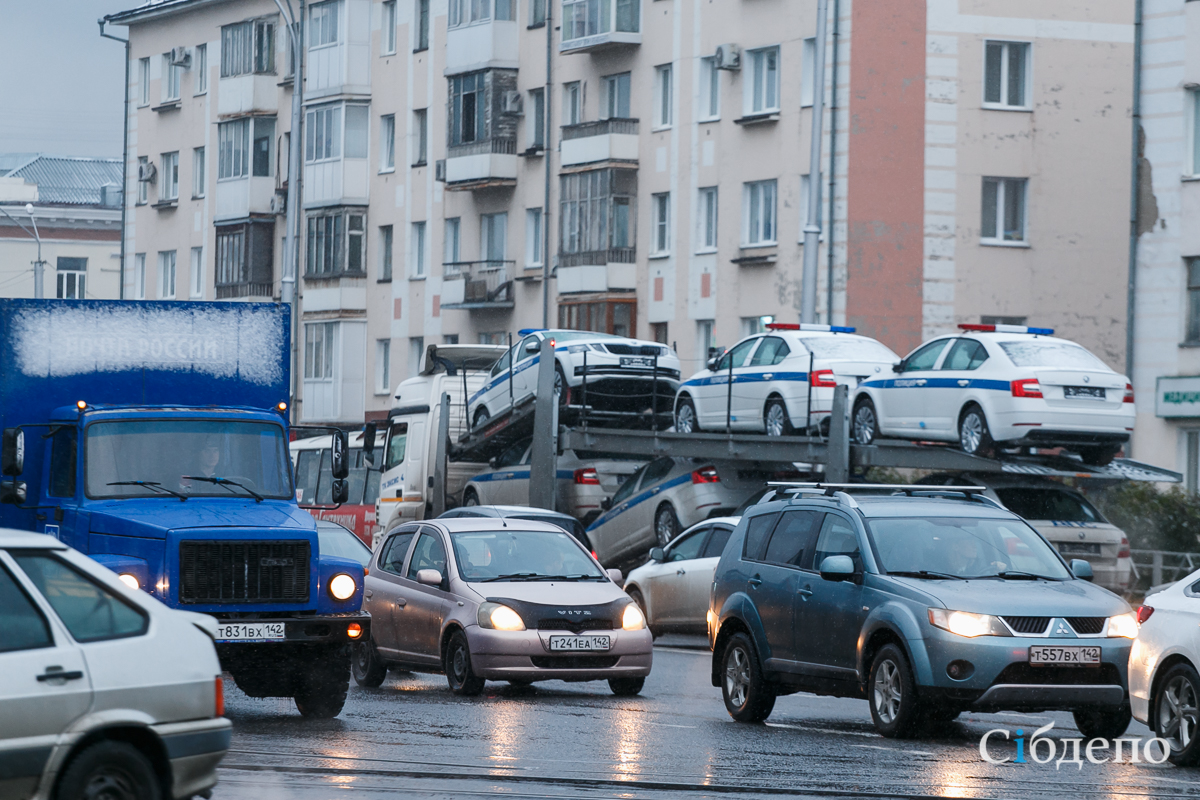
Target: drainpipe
[832,164]
[1134,186]
[547,93]
[812,228]
[124,154]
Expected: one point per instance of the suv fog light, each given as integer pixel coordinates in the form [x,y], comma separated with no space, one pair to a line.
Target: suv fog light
[960,670]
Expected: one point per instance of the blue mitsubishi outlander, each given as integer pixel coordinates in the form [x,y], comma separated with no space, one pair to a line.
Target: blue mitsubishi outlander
[925,602]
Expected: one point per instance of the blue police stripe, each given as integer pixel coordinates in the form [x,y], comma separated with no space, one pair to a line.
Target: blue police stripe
[519,474]
[938,383]
[609,516]
[502,377]
[758,377]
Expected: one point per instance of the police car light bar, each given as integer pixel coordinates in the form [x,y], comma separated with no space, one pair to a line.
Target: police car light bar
[1007,329]
[792,326]
[527,331]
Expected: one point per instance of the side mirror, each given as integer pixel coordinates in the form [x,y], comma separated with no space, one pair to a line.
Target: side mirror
[616,577]
[493,461]
[340,463]
[429,577]
[605,503]
[837,568]
[712,363]
[13,492]
[12,460]
[898,366]
[340,490]
[657,555]
[370,430]
[533,347]
[1081,569]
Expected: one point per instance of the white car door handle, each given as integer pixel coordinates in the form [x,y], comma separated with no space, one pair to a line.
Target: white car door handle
[369,593]
[921,381]
[964,383]
[680,572]
[768,375]
[401,602]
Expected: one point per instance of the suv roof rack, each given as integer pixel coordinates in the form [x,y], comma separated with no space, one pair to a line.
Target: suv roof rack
[841,491]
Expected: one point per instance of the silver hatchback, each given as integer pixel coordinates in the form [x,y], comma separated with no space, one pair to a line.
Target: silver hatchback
[499,599]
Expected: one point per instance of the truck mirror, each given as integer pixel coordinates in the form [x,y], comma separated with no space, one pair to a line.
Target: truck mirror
[13,458]
[341,455]
[13,492]
[340,491]
[368,447]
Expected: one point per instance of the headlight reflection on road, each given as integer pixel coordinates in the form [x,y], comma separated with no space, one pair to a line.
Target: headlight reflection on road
[631,732]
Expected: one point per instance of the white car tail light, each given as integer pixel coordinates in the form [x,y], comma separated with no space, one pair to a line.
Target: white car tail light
[587,476]
[706,475]
[1029,387]
[1128,393]
[822,378]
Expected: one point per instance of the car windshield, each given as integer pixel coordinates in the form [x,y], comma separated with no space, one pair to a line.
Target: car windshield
[139,458]
[334,540]
[1051,353]
[570,336]
[568,524]
[964,547]
[1048,504]
[521,555]
[850,348]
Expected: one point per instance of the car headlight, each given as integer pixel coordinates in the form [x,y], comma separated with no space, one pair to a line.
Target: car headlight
[342,586]
[633,619]
[964,623]
[130,581]
[499,617]
[1123,625]
[577,348]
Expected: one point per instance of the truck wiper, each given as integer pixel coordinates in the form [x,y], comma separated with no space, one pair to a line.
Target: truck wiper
[924,573]
[152,485]
[258,498]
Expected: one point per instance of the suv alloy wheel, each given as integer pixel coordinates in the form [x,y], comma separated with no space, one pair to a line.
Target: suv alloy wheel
[892,694]
[748,698]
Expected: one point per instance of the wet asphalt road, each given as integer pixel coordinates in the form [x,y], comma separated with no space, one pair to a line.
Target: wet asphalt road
[412,738]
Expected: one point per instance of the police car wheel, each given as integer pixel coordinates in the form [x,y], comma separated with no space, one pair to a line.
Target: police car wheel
[775,418]
[666,525]
[481,416]
[470,498]
[973,435]
[685,417]
[866,423]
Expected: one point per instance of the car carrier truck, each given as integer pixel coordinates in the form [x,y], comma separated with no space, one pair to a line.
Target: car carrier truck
[153,437]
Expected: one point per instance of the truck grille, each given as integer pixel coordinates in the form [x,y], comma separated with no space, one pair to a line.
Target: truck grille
[239,572]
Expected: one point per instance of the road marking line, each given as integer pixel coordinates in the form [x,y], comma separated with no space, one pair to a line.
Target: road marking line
[894,749]
[666,725]
[820,730]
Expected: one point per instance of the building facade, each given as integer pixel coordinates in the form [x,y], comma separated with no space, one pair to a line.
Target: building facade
[640,167]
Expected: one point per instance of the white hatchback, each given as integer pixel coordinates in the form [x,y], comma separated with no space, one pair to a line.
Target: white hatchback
[780,382]
[103,685]
[1000,386]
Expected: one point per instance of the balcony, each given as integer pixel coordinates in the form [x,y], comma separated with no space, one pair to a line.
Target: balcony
[614,139]
[597,271]
[482,45]
[239,198]
[248,94]
[592,25]
[476,285]
[482,165]
[238,291]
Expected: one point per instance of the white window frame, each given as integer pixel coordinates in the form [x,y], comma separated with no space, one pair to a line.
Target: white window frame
[761,89]
[572,103]
[143,81]
[322,335]
[808,70]
[664,97]
[612,95]
[416,352]
[233,150]
[166,274]
[387,39]
[170,177]
[387,143]
[417,249]
[452,240]
[139,276]
[660,225]
[323,25]
[1193,135]
[200,68]
[710,90]
[493,237]
[1004,187]
[533,237]
[705,338]
[143,187]
[535,119]
[1007,47]
[383,366]
[71,284]
[199,171]
[196,275]
[323,133]
[707,219]
[755,196]
[172,80]
[420,135]
[387,246]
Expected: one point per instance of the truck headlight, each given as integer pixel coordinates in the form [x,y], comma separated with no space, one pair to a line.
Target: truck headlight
[130,580]
[1123,625]
[633,619]
[342,586]
[965,623]
[499,617]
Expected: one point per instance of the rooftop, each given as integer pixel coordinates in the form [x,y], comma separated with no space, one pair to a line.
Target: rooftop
[66,180]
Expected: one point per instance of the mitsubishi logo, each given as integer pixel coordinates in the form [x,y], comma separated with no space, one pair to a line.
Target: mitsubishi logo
[1061,629]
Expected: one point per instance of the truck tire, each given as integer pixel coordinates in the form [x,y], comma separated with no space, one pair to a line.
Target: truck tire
[109,769]
[366,665]
[323,685]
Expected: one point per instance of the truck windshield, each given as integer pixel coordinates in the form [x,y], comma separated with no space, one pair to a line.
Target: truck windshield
[160,454]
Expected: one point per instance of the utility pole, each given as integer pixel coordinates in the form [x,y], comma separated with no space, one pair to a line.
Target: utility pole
[39,264]
[812,227]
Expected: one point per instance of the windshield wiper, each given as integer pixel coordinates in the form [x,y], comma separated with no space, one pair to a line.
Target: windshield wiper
[576,577]
[924,573]
[514,576]
[154,486]
[224,482]
[1016,575]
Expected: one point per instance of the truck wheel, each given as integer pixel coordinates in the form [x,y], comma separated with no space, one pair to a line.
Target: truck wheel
[323,685]
[459,675]
[368,669]
[748,697]
[109,770]
[892,693]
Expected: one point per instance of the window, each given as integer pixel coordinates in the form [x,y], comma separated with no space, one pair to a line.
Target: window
[1194,96]
[198,172]
[572,103]
[323,23]
[756,535]
[451,253]
[264,147]
[495,337]
[166,275]
[245,260]
[537,119]
[72,278]
[319,348]
[792,538]
[422,32]
[63,446]
[759,228]
[324,140]
[172,77]
[383,369]
[755,325]
[90,612]
[595,215]
[1193,300]
[616,96]
[505,10]
[925,357]
[660,243]
[706,236]
[387,39]
[583,18]
[537,13]
[139,277]
[837,539]
[418,249]
[658,332]
[23,626]
[143,81]
[710,89]
[197,274]
[770,352]
[467,108]
[233,146]
[357,119]
[966,354]
[429,553]
[201,68]
[248,47]
[387,143]
[467,12]
[143,189]
[385,252]
[1003,217]
[663,91]
[450,338]
[335,243]
[416,349]
[738,356]
[764,81]
[170,177]
[420,137]
[808,71]
[493,238]
[616,317]
[533,237]
[1006,74]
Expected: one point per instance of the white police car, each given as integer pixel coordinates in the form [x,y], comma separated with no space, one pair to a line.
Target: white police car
[621,373]
[1000,386]
[779,379]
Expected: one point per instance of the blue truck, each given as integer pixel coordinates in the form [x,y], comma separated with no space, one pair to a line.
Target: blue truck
[153,437]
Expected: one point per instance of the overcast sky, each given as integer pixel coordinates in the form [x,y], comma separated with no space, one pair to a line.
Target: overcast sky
[61,91]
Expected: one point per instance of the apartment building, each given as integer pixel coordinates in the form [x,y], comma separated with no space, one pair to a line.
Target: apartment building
[654,182]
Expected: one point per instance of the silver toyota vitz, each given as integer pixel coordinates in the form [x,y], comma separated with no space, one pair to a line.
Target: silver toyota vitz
[499,599]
